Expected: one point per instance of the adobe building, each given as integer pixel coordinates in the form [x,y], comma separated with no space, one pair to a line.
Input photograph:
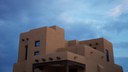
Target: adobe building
[46,50]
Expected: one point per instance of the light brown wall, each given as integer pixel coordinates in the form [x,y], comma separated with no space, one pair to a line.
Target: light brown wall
[22,44]
[118,68]
[95,43]
[51,38]
[55,39]
[109,65]
[93,58]
[52,43]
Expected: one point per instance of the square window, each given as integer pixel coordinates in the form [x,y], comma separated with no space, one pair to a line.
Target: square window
[37,43]
[27,39]
[96,43]
[94,47]
[37,61]
[90,44]
[36,53]
[22,39]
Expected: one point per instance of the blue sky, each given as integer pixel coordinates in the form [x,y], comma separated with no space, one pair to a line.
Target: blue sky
[81,19]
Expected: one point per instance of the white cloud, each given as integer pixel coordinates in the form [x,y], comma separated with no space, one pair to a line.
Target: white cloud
[66,17]
[119,9]
[69,20]
[116,11]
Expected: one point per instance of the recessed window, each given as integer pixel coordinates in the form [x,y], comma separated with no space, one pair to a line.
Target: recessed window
[26,52]
[75,57]
[43,59]
[27,39]
[36,61]
[96,43]
[36,53]
[22,39]
[90,44]
[37,43]
[50,58]
[58,58]
[94,47]
[107,55]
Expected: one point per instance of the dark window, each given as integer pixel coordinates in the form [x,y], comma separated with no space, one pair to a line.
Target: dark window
[27,39]
[96,43]
[37,43]
[58,58]
[36,61]
[22,39]
[50,58]
[94,47]
[43,59]
[107,55]
[26,52]
[36,53]
[90,44]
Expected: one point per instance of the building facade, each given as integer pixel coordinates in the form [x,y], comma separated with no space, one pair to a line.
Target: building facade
[46,50]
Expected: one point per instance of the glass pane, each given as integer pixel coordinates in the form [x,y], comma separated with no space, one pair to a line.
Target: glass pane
[37,43]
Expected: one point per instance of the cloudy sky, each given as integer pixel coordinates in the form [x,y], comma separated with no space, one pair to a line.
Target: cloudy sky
[81,19]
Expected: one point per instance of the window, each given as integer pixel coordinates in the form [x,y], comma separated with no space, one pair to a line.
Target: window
[36,53]
[36,61]
[43,59]
[50,58]
[27,39]
[94,47]
[22,39]
[58,58]
[90,44]
[26,52]
[96,43]
[107,55]
[37,43]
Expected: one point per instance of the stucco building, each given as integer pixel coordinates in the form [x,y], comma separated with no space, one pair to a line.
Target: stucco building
[46,50]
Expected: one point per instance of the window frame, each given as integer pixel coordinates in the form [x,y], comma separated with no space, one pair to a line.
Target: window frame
[37,43]
[36,53]
[107,55]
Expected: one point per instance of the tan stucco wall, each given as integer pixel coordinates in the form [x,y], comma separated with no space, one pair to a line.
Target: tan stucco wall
[53,44]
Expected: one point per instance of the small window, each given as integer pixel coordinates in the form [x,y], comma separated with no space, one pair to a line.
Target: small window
[96,43]
[50,58]
[27,39]
[90,44]
[22,39]
[58,58]
[43,59]
[36,53]
[37,43]
[37,61]
[107,55]
[94,47]
[26,52]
